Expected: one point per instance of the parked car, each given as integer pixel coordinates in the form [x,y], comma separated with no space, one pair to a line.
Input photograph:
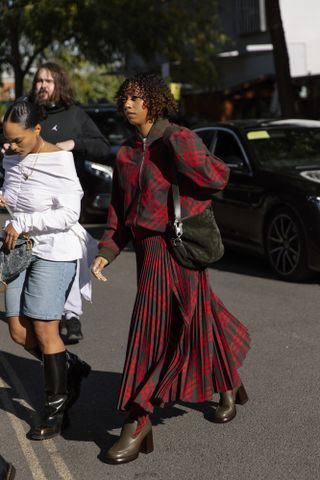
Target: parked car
[271,205]
[96,174]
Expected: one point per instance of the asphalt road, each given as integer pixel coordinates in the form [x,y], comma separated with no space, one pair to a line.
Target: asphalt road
[274,436]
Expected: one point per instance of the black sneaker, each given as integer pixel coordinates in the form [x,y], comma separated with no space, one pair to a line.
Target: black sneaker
[63,327]
[73,331]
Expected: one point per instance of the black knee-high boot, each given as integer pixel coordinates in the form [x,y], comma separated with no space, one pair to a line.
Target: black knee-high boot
[7,471]
[56,397]
[77,371]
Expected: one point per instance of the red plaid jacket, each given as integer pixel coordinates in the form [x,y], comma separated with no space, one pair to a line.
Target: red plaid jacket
[142,179]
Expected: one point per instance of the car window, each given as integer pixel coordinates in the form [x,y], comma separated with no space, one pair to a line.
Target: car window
[206,136]
[111,125]
[228,149]
[281,148]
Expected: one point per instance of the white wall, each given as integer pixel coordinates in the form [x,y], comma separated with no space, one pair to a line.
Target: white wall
[301,25]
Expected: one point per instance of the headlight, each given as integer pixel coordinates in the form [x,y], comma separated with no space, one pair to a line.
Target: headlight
[99,170]
[315,200]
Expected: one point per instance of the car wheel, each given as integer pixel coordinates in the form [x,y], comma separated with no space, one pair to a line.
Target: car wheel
[286,246]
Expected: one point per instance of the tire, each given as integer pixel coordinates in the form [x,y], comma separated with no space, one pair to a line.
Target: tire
[286,246]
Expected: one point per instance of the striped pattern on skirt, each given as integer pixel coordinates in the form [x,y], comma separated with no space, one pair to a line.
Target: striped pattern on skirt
[183,343]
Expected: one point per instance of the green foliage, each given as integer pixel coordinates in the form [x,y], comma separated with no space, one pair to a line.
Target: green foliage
[90,83]
[3,109]
[183,32]
[95,85]
[28,27]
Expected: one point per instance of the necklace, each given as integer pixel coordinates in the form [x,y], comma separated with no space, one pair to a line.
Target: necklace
[27,170]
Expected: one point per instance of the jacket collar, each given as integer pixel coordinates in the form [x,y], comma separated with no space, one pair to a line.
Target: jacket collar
[55,108]
[157,130]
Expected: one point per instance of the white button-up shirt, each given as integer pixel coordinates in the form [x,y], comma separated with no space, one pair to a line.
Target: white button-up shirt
[44,193]
[47,203]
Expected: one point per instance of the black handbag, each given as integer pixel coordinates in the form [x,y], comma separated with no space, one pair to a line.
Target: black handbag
[15,261]
[195,241]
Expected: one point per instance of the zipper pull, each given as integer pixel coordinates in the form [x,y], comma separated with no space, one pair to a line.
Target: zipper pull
[144,140]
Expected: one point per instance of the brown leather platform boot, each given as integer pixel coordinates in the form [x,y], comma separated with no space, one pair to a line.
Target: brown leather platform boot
[226,410]
[128,447]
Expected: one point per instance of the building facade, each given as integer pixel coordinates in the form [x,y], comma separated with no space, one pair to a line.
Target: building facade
[246,66]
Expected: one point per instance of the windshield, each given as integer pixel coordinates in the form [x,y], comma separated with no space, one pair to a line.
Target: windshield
[283,148]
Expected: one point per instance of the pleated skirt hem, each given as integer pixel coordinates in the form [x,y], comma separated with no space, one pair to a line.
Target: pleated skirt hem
[183,343]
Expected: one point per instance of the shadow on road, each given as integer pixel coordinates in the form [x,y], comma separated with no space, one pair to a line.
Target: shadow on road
[251,265]
[234,262]
[244,264]
[94,416]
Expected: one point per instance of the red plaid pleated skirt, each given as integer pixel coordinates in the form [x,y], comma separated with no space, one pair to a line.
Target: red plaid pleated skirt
[183,343]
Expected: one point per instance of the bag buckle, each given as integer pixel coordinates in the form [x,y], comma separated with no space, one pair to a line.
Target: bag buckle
[29,241]
[178,231]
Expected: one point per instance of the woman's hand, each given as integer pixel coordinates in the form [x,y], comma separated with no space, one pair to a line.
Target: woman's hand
[10,237]
[2,201]
[6,149]
[97,266]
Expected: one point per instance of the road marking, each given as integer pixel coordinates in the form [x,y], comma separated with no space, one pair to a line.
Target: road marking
[25,445]
[58,462]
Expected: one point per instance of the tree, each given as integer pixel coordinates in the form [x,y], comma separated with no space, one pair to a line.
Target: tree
[281,58]
[182,32]
[91,83]
[28,28]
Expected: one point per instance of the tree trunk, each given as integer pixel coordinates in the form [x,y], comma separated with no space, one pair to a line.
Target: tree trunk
[16,60]
[18,78]
[281,58]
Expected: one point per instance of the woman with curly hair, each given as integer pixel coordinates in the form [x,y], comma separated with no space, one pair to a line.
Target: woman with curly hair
[183,343]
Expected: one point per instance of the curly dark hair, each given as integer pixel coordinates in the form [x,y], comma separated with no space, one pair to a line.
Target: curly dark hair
[63,93]
[154,91]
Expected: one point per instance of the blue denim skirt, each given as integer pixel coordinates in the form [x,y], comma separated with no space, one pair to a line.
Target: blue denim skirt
[40,291]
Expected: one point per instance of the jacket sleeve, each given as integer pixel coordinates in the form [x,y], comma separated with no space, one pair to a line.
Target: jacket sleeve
[193,159]
[63,214]
[90,140]
[116,235]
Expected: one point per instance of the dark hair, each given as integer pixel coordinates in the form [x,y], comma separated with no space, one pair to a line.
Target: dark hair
[63,92]
[155,92]
[25,112]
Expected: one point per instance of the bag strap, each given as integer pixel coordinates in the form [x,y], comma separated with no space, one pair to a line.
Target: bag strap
[176,201]
[175,186]
[177,223]
[9,210]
